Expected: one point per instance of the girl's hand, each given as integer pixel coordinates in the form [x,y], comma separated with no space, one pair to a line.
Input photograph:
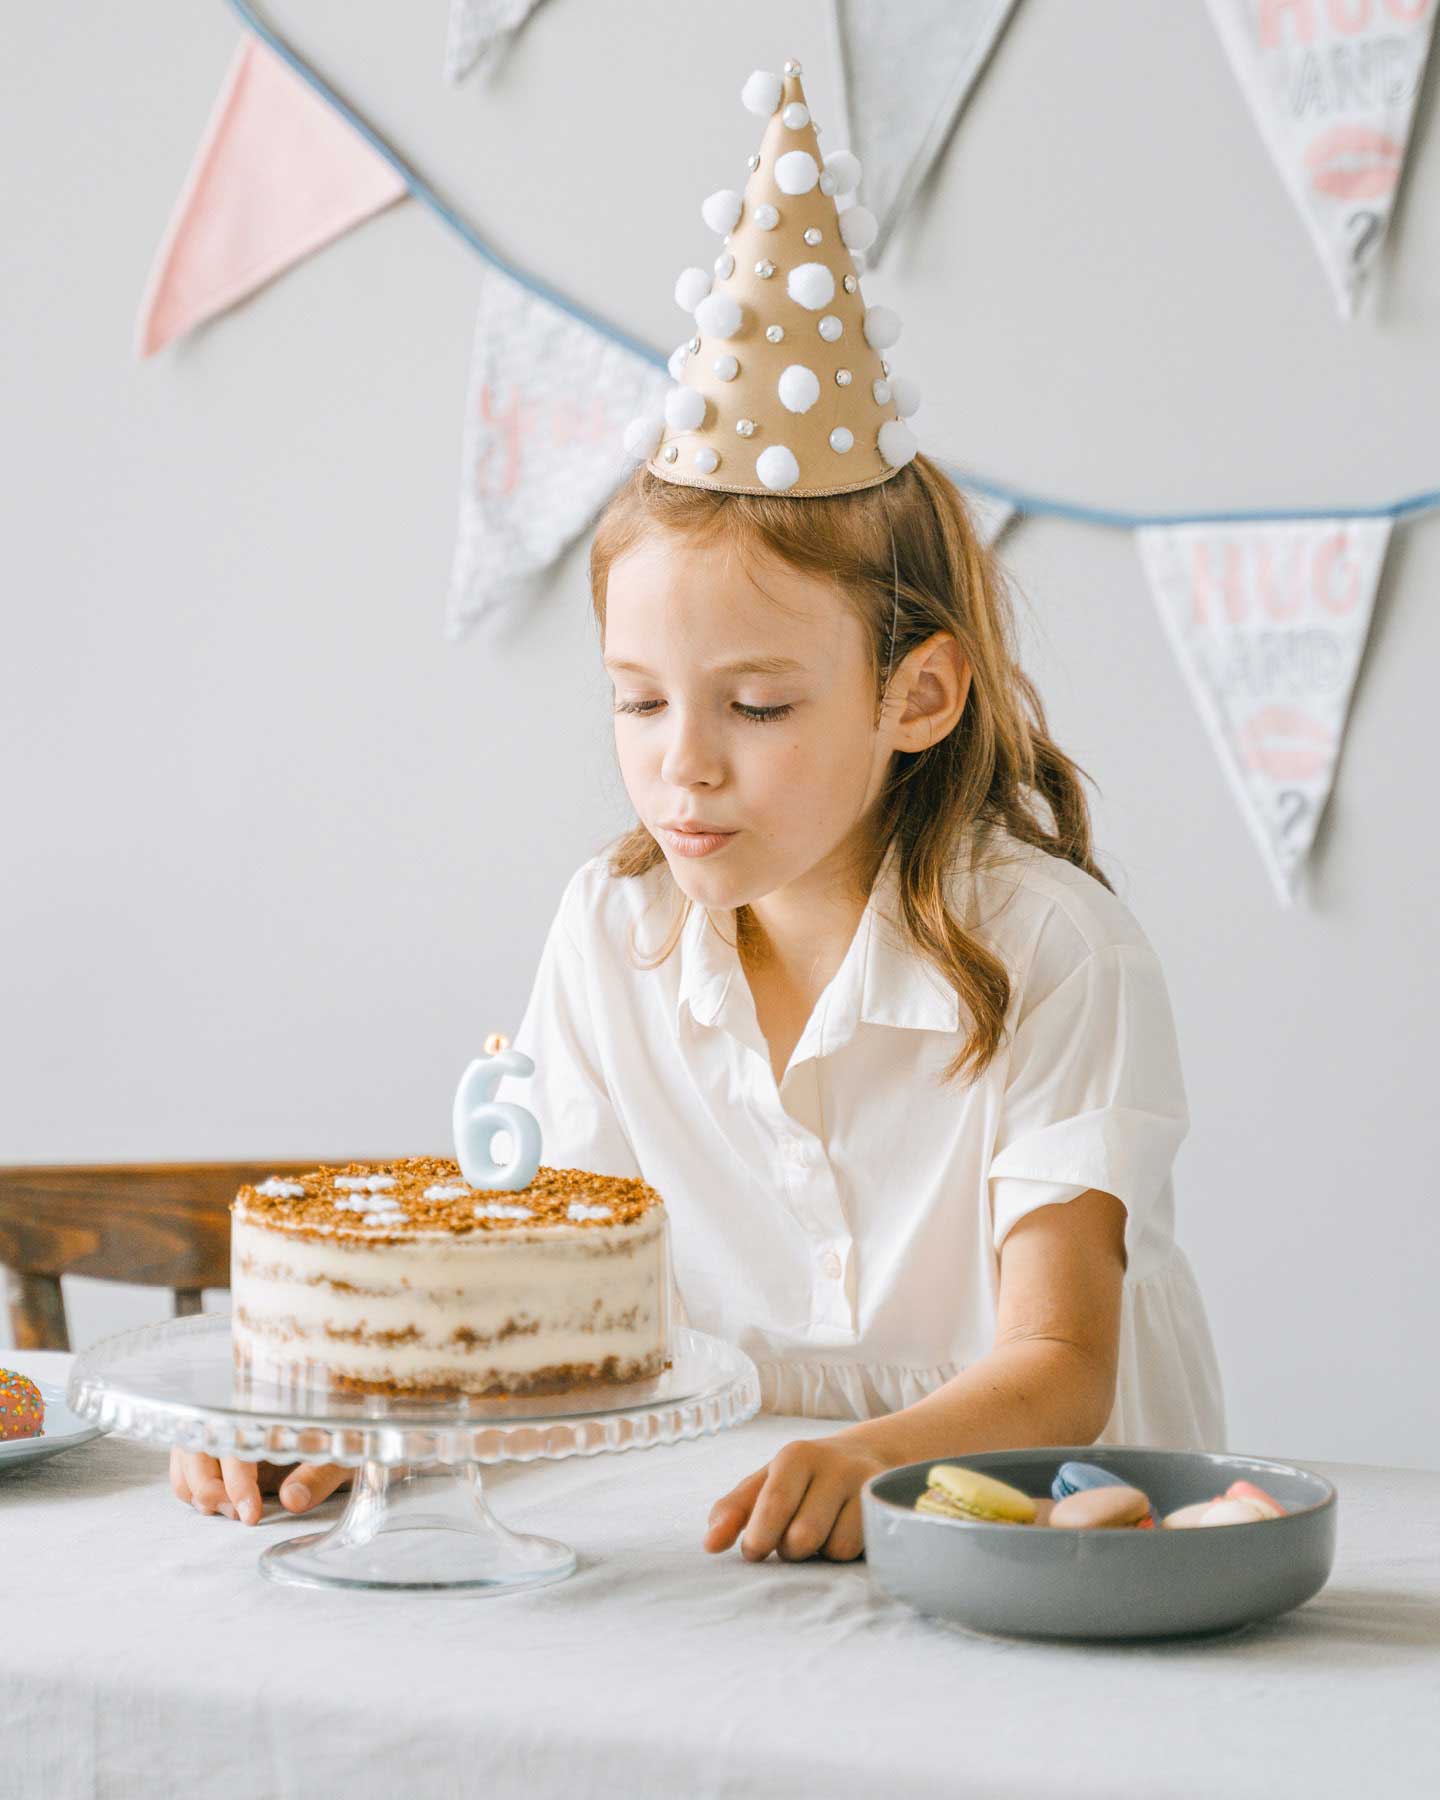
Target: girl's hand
[234,1488]
[807,1499]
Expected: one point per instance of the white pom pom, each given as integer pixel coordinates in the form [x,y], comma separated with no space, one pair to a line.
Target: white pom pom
[811,285]
[896,443]
[762,93]
[907,395]
[777,468]
[844,170]
[859,227]
[882,327]
[796,172]
[642,438]
[827,182]
[799,388]
[684,408]
[691,288]
[718,315]
[679,356]
[721,210]
[706,460]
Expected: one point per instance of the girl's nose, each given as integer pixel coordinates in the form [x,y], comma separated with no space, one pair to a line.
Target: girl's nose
[692,755]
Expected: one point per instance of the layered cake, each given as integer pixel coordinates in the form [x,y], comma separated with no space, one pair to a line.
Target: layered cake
[400,1278]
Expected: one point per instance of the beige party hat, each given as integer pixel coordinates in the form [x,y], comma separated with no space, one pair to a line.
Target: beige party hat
[782,388]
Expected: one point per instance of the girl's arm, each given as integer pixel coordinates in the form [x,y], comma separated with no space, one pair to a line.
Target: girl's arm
[1050,1378]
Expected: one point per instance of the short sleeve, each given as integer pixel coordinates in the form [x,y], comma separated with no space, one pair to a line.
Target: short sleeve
[1094,1094]
[579,1128]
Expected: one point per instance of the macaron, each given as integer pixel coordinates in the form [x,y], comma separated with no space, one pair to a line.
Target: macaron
[1101,1508]
[1079,1477]
[1185,1518]
[1233,1512]
[1247,1490]
[954,1492]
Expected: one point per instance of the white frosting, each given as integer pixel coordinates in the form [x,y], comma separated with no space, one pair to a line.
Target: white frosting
[364,1184]
[577,1209]
[503,1209]
[440,1192]
[276,1189]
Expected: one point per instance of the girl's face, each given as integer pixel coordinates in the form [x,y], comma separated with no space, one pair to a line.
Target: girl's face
[745,728]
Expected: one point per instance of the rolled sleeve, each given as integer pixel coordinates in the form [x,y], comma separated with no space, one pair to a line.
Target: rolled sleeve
[568,1092]
[1094,1096]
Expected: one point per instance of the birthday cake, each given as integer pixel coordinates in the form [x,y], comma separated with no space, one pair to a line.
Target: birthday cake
[402,1278]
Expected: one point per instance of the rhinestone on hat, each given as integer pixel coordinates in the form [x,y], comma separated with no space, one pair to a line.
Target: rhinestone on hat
[813,234]
[706,460]
[830,328]
[724,265]
[841,439]
[670,452]
[881,391]
[843,378]
[766,216]
[693,345]
[726,367]
[765,269]
[793,68]
[754,160]
[851,284]
[796,116]
[746,427]
[775,333]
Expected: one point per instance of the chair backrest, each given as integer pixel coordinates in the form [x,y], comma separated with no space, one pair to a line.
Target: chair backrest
[152,1224]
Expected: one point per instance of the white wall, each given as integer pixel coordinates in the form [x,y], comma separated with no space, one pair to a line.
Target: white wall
[253,903]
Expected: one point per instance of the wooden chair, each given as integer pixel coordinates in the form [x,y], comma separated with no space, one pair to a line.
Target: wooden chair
[152,1224]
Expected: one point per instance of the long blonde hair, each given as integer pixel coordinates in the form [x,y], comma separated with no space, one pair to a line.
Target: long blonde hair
[912,536]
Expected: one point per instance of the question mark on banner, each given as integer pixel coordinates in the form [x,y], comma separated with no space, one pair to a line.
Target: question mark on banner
[1298,805]
[1370,224]
[476,1117]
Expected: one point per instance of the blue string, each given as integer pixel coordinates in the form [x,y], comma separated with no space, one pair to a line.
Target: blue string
[1029,503]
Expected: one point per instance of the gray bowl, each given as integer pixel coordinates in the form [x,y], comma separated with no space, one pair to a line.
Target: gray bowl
[1031,1581]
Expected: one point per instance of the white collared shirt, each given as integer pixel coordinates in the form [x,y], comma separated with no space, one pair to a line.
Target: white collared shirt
[843,1227]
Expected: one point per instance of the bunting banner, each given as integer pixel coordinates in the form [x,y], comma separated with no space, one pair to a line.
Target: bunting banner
[1332,86]
[1268,623]
[906,75]
[990,514]
[476,28]
[278,173]
[543,445]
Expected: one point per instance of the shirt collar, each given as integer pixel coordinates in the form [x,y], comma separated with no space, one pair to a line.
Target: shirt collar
[882,980]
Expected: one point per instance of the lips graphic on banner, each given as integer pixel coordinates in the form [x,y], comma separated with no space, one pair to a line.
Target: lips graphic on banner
[543,449]
[1332,85]
[908,73]
[1269,623]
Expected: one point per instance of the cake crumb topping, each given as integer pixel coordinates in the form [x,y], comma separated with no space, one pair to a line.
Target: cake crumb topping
[427,1193]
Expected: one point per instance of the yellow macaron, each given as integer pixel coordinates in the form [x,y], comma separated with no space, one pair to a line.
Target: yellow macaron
[957,1493]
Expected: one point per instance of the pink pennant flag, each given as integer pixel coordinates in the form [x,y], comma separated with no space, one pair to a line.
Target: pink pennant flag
[278,174]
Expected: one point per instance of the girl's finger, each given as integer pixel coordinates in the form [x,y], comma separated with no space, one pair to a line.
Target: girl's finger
[207,1485]
[816,1516]
[310,1483]
[243,1486]
[179,1486]
[847,1535]
[729,1513]
[780,1499]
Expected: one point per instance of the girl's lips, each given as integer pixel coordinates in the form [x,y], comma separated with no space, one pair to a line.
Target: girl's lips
[696,843]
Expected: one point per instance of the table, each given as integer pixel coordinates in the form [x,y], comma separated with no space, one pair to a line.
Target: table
[143,1654]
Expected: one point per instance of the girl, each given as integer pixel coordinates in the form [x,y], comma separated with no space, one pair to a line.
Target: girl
[897,1059]
[852,995]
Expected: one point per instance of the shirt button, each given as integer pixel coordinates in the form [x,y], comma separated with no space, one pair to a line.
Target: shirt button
[830,1265]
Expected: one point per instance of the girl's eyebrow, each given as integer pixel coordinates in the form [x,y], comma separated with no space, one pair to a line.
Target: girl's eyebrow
[750,665]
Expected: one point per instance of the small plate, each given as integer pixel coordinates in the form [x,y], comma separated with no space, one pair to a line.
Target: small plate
[1033,1581]
[63,1430]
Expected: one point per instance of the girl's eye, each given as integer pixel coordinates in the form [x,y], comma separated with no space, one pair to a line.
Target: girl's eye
[759,713]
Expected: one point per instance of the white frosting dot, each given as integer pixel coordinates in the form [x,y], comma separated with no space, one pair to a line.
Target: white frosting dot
[276,1189]
[579,1210]
[440,1192]
[503,1209]
[364,1184]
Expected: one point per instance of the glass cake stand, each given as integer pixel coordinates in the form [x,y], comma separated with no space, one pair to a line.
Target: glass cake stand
[418,1515]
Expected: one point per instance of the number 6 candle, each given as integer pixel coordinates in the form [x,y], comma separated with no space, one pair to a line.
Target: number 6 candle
[477,1116]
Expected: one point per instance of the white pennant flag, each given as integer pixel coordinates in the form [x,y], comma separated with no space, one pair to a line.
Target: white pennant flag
[475,28]
[549,399]
[1332,85]
[1269,622]
[907,73]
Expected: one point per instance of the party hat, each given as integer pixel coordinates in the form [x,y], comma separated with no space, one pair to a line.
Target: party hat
[782,387]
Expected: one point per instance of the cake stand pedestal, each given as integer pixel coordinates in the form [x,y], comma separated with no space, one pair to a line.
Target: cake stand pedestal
[418,1516]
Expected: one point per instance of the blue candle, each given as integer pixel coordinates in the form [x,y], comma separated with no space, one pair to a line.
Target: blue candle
[477,1116]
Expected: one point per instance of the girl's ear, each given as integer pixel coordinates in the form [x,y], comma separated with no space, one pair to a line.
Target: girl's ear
[934,682]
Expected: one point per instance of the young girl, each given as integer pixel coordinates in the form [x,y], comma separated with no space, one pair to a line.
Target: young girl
[853,995]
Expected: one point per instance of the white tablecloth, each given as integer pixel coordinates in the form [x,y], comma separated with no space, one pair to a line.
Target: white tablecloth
[142,1653]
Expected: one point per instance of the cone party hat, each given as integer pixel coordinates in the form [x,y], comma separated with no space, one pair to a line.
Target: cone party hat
[782,386]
